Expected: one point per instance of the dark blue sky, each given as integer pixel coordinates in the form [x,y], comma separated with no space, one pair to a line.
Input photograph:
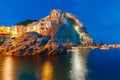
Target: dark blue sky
[100,17]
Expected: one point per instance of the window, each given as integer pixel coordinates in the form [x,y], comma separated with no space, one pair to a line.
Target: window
[42,20]
[56,14]
[46,28]
[42,24]
[52,22]
[42,28]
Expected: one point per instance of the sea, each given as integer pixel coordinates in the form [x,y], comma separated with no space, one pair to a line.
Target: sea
[82,64]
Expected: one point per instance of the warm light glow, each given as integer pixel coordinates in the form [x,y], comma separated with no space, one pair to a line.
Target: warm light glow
[77,27]
[78,67]
[47,71]
[8,73]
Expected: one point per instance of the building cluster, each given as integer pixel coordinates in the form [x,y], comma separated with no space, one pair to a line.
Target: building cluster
[45,26]
[4,30]
[114,46]
[106,47]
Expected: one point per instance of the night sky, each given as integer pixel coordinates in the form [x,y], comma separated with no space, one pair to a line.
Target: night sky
[100,17]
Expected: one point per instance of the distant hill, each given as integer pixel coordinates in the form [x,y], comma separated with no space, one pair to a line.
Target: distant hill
[26,22]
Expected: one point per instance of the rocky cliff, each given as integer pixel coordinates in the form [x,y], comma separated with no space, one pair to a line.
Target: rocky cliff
[50,35]
[32,43]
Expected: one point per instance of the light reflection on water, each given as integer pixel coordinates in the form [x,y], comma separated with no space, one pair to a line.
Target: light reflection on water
[8,69]
[45,72]
[78,69]
[71,66]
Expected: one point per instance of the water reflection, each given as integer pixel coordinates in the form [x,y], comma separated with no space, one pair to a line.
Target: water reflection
[8,71]
[78,69]
[45,71]
[45,68]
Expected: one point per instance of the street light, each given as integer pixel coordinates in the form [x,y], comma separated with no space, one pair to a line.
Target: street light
[77,27]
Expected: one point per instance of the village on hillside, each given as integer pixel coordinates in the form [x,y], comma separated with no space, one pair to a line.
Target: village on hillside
[45,26]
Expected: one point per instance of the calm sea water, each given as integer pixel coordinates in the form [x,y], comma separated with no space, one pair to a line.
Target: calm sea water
[75,65]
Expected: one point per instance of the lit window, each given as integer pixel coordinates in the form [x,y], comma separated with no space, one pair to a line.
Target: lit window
[56,14]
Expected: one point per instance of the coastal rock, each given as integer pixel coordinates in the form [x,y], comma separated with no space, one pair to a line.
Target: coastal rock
[32,43]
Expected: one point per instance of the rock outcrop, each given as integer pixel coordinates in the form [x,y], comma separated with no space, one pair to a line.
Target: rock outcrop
[32,43]
[50,35]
